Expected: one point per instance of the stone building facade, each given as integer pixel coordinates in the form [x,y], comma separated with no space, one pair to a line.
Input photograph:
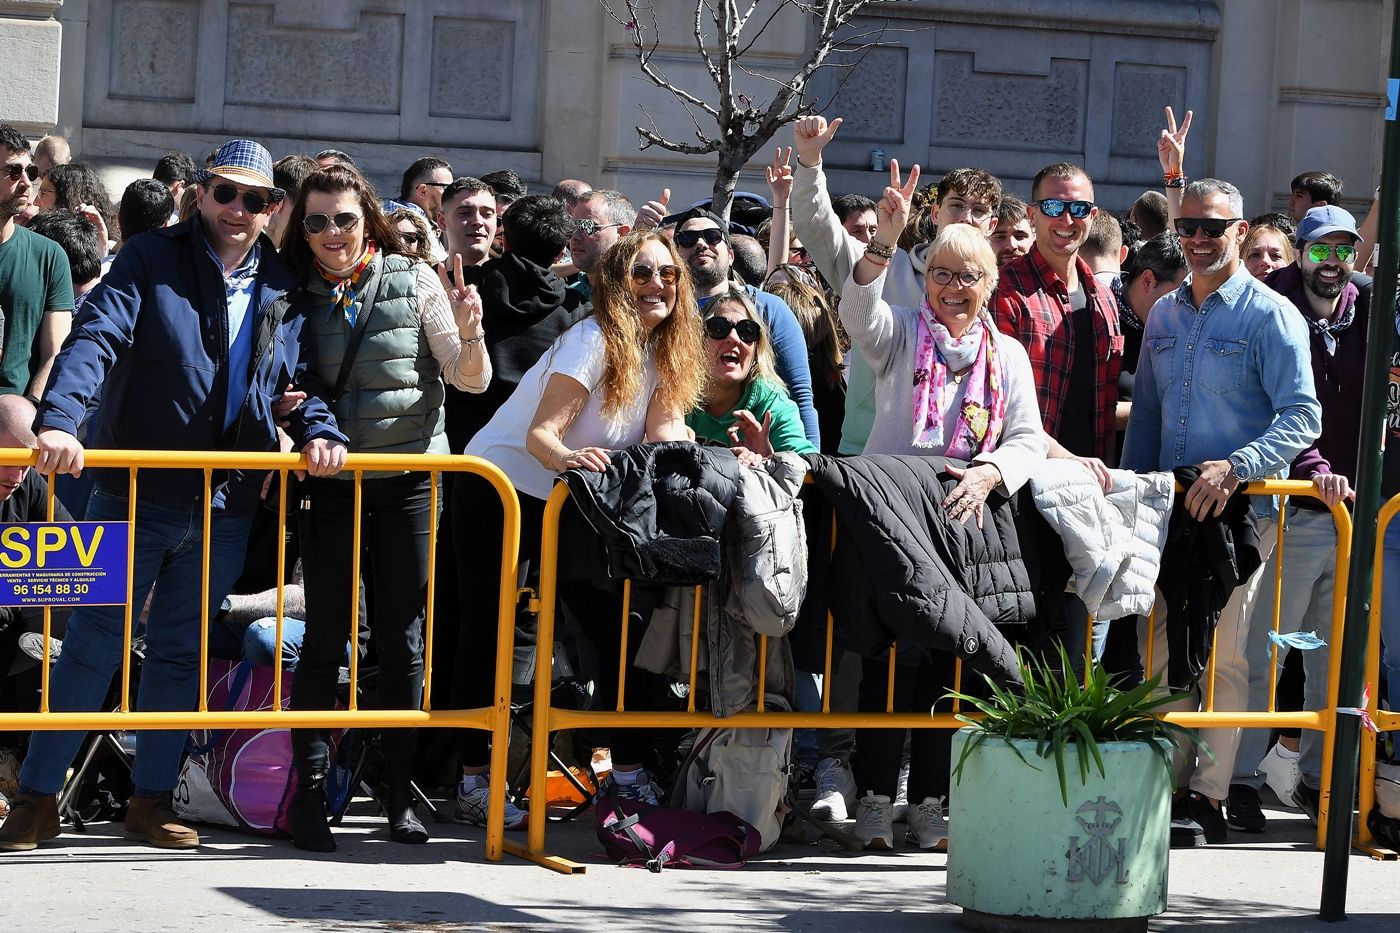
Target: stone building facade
[549,88]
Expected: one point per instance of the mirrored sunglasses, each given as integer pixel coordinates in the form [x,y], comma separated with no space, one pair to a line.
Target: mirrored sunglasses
[1319,252]
[1054,207]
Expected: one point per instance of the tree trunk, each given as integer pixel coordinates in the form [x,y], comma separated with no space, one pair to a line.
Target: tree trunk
[726,180]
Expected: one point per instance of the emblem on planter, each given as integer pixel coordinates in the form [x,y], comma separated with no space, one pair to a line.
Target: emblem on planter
[1099,856]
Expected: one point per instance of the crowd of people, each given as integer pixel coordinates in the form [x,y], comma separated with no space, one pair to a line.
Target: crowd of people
[248,304]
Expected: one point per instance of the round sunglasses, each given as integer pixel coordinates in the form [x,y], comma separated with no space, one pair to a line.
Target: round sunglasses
[718,328]
[1320,252]
[642,274]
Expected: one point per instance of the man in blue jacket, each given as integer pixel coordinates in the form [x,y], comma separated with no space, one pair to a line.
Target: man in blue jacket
[190,340]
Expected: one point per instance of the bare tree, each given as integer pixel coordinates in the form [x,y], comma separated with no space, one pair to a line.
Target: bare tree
[724,31]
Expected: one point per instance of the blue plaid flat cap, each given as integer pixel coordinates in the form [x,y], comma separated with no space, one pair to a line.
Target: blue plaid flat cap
[246,162]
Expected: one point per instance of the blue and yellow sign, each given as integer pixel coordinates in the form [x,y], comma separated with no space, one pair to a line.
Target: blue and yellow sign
[63,563]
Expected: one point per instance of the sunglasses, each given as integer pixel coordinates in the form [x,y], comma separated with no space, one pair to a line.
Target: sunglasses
[15,170]
[588,226]
[799,253]
[412,239]
[967,277]
[686,239]
[252,203]
[1054,207]
[642,274]
[1319,252]
[718,328]
[344,222]
[1213,227]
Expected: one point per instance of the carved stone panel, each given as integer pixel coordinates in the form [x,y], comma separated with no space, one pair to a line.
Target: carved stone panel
[1139,92]
[472,67]
[870,98]
[975,109]
[356,69]
[152,45]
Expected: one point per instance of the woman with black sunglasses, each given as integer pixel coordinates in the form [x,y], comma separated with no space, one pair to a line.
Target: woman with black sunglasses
[746,405]
[387,330]
[627,374]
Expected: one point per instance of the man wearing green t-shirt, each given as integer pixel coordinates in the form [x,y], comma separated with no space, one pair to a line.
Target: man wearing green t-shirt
[36,290]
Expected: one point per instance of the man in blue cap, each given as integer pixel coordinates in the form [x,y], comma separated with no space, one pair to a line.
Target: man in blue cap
[1336,311]
[191,339]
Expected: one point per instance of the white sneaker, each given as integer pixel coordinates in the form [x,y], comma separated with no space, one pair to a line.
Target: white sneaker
[641,790]
[901,797]
[1280,769]
[836,791]
[471,806]
[928,825]
[874,823]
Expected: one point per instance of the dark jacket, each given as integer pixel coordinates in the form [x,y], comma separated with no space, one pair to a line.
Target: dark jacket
[659,509]
[152,337]
[1202,564]
[902,569]
[524,309]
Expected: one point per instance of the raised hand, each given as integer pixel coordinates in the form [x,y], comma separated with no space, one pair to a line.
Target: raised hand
[894,206]
[651,214]
[465,300]
[1171,144]
[748,433]
[811,134]
[779,176]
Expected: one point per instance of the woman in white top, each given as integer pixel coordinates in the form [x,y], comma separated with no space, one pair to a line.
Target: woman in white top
[947,384]
[626,374]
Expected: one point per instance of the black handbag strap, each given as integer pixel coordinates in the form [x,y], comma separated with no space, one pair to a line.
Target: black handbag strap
[352,348]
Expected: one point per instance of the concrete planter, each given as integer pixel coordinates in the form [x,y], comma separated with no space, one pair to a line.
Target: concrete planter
[1019,859]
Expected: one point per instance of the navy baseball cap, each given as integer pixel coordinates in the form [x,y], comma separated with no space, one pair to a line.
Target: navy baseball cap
[1320,221]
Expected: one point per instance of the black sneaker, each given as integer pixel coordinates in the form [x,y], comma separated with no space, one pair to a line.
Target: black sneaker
[1197,822]
[1307,799]
[1242,809]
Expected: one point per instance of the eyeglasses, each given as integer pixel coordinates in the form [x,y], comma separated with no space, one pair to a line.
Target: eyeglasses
[253,203]
[1054,207]
[1213,227]
[642,274]
[588,226]
[15,170]
[435,184]
[1319,252]
[686,239]
[344,222]
[978,212]
[718,328]
[967,278]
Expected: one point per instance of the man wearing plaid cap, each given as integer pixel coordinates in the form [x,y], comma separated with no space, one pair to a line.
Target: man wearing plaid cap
[191,339]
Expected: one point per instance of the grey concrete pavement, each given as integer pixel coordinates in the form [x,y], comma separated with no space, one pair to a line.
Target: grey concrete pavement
[98,881]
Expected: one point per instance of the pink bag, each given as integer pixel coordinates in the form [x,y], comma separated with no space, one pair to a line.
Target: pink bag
[636,833]
[244,778]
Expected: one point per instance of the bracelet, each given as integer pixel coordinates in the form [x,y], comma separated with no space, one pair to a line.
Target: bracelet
[1173,180]
[477,339]
[875,261]
[877,248]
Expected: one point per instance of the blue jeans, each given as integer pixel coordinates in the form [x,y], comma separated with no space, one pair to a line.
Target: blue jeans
[257,641]
[167,554]
[1390,614]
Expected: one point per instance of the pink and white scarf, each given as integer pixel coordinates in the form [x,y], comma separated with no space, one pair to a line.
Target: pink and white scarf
[938,354]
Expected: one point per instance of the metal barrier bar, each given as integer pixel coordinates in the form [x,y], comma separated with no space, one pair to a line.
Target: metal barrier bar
[1385,721]
[494,719]
[548,719]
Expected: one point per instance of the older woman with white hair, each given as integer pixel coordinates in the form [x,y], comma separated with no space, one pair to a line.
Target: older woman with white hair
[947,384]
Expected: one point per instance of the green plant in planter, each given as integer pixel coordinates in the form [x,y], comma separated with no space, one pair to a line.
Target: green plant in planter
[1056,708]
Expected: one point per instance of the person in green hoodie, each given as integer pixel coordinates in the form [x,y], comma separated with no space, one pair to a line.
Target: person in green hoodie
[746,405]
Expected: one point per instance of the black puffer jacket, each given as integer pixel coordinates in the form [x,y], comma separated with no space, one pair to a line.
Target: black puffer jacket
[903,570]
[659,509]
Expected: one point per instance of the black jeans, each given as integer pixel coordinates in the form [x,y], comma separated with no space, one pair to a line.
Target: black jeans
[396,519]
[878,751]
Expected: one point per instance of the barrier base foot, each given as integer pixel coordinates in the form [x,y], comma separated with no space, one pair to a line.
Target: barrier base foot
[1378,852]
[552,862]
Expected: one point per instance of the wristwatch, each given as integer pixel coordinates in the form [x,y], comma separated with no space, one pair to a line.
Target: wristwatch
[1238,468]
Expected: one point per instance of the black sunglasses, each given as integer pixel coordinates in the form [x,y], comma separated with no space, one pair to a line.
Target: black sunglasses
[718,328]
[1213,227]
[1054,207]
[14,170]
[344,222]
[642,274]
[686,239]
[253,203]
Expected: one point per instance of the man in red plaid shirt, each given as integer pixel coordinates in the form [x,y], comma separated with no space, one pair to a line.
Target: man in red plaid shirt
[1068,322]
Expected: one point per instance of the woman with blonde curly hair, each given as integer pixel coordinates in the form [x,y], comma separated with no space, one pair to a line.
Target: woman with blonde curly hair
[626,374]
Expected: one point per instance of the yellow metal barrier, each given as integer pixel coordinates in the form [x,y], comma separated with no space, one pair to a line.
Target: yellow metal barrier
[548,719]
[494,719]
[1385,720]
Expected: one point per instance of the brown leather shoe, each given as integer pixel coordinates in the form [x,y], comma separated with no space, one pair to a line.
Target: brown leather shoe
[150,820]
[31,821]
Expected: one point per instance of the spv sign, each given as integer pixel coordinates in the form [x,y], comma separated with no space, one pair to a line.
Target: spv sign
[63,563]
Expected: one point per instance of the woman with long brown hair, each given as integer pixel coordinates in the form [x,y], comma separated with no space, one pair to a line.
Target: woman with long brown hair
[626,374]
[387,329]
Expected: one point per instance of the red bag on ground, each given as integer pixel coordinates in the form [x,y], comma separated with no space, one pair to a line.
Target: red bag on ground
[637,833]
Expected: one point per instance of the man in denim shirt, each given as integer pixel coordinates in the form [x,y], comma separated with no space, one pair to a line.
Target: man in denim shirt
[1224,383]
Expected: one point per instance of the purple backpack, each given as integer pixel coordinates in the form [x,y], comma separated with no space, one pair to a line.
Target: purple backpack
[637,833]
[244,778]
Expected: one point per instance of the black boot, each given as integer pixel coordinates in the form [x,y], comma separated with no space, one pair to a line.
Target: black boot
[397,801]
[306,817]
